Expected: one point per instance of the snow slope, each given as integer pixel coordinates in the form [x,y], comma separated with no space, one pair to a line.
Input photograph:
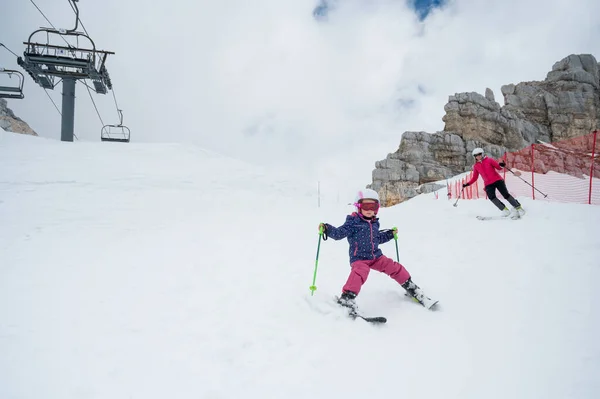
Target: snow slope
[165,271]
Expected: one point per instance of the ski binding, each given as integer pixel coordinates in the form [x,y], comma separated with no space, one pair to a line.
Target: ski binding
[427,303]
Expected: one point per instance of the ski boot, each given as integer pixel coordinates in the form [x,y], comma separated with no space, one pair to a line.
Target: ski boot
[348,300]
[518,212]
[413,290]
[505,212]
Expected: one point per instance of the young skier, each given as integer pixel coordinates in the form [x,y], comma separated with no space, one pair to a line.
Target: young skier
[486,167]
[362,231]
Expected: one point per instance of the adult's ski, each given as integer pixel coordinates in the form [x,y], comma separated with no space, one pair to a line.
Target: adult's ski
[499,217]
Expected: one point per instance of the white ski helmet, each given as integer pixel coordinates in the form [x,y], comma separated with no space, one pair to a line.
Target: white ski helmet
[477,151]
[366,193]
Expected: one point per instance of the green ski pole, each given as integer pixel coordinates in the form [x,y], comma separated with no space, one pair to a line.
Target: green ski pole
[313,287]
[398,255]
[396,239]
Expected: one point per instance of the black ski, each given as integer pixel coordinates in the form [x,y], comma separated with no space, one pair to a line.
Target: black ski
[354,314]
[378,319]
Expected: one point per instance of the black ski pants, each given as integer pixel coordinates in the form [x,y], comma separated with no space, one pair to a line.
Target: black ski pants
[500,185]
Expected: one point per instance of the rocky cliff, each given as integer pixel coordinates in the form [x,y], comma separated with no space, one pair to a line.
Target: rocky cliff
[564,105]
[10,122]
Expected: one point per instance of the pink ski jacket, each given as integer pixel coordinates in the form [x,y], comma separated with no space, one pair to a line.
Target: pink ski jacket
[487,169]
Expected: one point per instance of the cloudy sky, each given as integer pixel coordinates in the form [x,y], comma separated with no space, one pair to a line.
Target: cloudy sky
[321,87]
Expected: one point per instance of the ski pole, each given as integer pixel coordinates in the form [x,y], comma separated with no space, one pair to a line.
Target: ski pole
[457,198]
[313,287]
[510,170]
[396,239]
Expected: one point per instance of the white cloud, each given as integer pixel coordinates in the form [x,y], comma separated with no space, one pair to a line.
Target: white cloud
[267,82]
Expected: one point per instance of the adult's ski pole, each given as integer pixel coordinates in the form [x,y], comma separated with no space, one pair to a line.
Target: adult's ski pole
[457,198]
[518,175]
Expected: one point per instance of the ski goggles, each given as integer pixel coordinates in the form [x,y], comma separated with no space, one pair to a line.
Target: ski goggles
[369,206]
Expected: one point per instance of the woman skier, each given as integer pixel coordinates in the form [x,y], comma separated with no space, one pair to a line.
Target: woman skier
[487,168]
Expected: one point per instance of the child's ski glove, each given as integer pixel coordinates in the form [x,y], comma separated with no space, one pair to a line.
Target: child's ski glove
[323,230]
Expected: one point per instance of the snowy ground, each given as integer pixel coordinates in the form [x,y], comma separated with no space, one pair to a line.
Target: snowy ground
[163,271]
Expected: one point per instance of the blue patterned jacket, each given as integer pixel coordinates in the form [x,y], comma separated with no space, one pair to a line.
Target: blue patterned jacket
[363,236]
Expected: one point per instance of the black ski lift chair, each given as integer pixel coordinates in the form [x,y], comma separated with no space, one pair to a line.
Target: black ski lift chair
[12,91]
[116,133]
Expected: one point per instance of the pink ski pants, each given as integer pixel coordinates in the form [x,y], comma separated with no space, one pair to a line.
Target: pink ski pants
[361,268]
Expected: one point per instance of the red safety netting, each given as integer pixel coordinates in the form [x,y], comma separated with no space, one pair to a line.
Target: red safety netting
[563,171]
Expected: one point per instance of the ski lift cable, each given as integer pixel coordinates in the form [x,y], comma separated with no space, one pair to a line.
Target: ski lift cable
[93,102]
[45,90]
[43,15]
[55,106]
[48,94]
[119,111]
[79,19]
[2,45]
[51,24]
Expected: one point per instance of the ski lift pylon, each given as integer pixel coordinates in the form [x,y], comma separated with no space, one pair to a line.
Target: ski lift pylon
[45,61]
[116,133]
[13,91]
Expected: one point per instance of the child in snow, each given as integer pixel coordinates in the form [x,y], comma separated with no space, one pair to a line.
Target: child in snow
[362,231]
[486,167]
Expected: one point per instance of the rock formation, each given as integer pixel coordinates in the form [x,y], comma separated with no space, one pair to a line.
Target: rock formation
[10,122]
[564,105]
